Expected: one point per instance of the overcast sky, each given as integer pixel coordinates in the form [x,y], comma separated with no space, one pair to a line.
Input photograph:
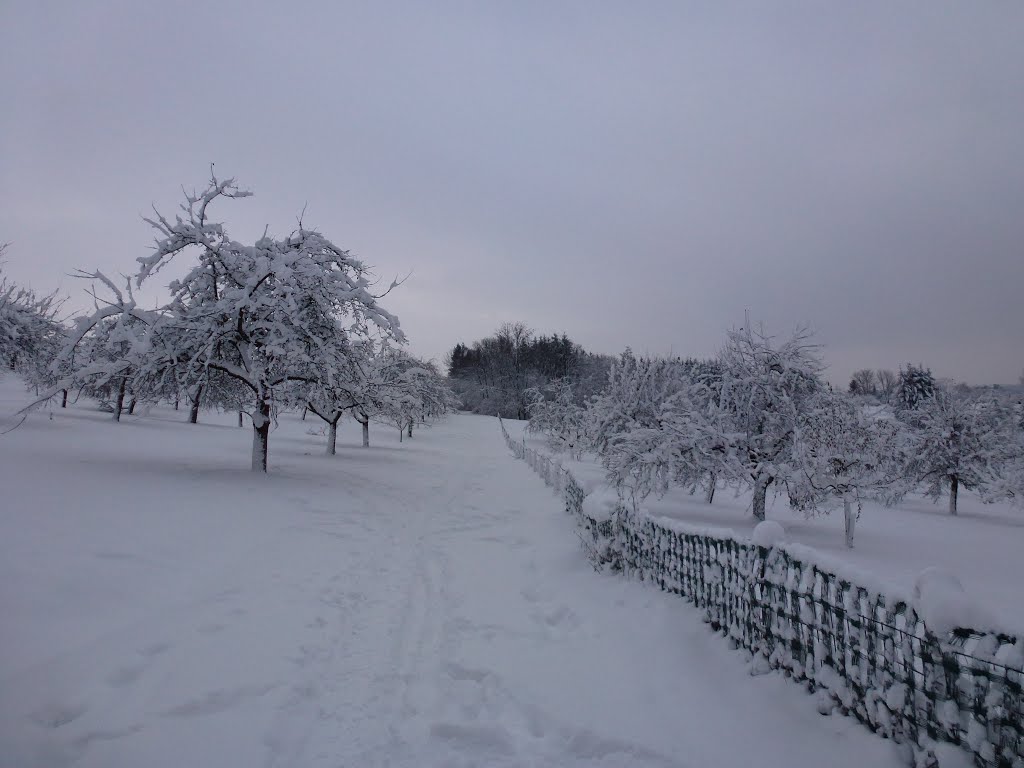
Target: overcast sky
[629,173]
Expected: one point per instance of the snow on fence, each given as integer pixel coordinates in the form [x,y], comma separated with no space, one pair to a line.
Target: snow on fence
[859,651]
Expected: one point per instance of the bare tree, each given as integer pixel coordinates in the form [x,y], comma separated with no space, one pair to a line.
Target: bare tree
[887,382]
[863,382]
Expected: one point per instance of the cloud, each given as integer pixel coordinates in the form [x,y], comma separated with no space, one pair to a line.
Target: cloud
[628,175]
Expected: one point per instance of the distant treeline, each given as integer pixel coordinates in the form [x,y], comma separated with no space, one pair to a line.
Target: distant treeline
[495,375]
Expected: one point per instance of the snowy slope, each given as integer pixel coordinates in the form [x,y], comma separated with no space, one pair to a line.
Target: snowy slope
[982,546]
[414,604]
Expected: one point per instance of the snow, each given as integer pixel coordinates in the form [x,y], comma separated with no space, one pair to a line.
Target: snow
[768,533]
[940,599]
[416,604]
[600,504]
[981,546]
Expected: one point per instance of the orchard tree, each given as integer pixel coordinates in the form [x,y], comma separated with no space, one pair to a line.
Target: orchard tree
[356,386]
[652,425]
[113,350]
[956,442]
[632,399]
[765,391]
[555,414]
[268,314]
[841,457]
[215,389]
[415,394]
[30,333]
[648,459]
[371,389]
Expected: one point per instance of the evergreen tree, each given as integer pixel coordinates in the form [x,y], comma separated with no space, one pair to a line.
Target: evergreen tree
[916,384]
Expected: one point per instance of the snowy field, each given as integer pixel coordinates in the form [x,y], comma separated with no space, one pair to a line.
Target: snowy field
[415,604]
[983,546]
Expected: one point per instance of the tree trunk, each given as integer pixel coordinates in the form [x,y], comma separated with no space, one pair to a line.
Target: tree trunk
[332,438]
[239,418]
[304,412]
[119,406]
[954,489]
[760,494]
[193,414]
[712,484]
[176,399]
[64,399]
[131,406]
[260,436]
[401,433]
[366,433]
[851,521]
[409,431]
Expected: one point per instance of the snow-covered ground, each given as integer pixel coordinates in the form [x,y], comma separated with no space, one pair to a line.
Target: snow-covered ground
[983,546]
[415,604]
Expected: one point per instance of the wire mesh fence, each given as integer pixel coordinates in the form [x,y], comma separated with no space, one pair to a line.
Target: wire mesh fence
[858,651]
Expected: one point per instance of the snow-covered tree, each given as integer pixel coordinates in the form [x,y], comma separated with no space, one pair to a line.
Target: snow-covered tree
[115,349]
[887,383]
[268,314]
[555,414]
[385,384]
[961,441]
[863,382]
[416,393]
[651,425]
[842,457]
[915,385]
[216,390]
[359,385]
[765,391]
[627,413]
[30,333]
[632,399]
[670,451]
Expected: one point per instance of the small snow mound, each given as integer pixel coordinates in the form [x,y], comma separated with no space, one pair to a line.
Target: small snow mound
[768,533]
[940,599]
[600,504]
[825,703]
[759,665]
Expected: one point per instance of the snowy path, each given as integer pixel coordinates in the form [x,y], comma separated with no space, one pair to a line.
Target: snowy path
[423,604]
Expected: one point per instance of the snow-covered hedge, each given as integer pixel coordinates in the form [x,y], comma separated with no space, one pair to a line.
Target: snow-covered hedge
[906,665]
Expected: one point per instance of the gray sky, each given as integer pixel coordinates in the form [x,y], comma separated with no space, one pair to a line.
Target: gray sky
[628,173]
